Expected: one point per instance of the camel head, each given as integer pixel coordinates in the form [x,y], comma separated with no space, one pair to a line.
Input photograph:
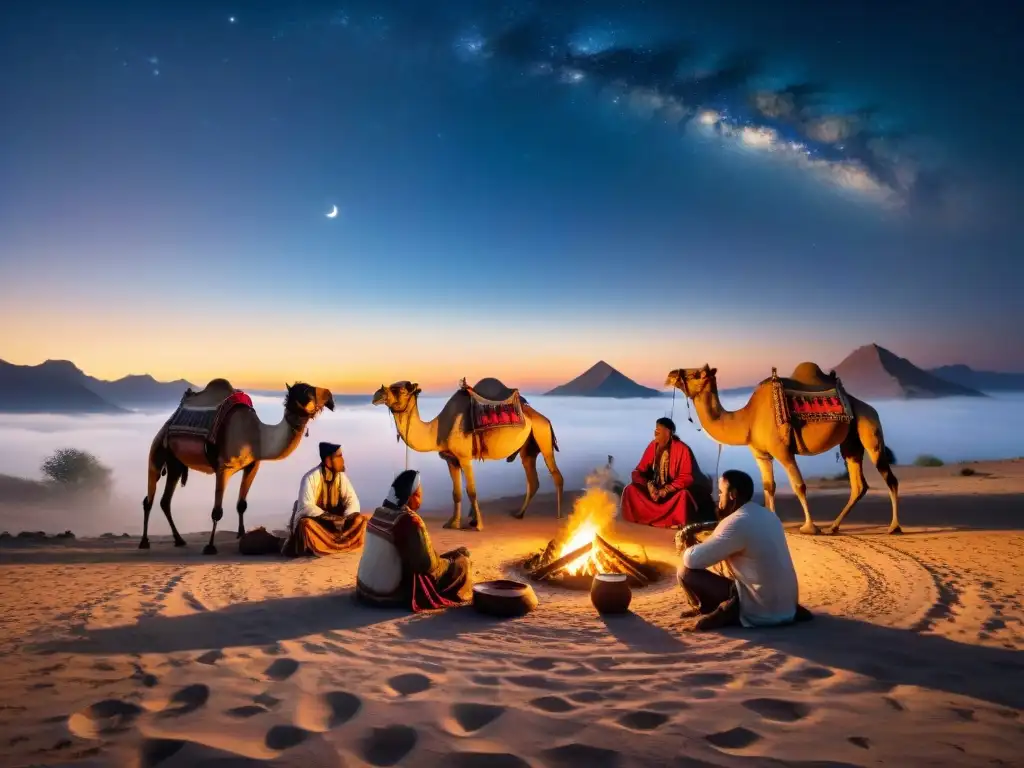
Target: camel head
[307,400]
[692,381]
[398,396]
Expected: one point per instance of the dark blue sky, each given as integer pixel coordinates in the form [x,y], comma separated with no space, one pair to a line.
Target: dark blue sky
[522,187]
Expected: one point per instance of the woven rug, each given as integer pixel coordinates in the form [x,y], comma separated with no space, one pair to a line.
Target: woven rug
[205,422]
[492,414]
[830,404]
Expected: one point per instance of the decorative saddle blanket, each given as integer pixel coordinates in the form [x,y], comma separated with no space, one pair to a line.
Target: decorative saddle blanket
[205,421]
[489,414]
[826,404]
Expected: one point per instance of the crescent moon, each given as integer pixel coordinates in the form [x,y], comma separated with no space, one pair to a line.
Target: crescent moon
[334,212]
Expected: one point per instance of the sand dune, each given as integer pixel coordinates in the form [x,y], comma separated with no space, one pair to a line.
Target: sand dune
[119,657]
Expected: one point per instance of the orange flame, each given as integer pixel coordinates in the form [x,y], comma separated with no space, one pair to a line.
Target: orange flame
[592,514]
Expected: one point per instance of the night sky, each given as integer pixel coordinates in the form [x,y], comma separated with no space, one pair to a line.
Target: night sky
[523,188]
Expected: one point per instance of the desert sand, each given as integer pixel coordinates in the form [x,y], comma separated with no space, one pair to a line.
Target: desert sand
[115,656]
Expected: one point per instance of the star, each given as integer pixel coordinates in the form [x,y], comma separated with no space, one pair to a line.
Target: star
[232,19]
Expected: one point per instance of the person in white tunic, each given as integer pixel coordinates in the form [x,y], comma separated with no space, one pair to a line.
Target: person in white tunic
[326,517]
[751,542]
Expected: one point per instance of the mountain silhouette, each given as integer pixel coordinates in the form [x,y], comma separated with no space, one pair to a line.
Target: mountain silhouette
[872,371]
[601,380]
[60,386]
[986,381]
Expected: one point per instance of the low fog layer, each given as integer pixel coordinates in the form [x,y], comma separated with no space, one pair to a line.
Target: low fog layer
[587,430]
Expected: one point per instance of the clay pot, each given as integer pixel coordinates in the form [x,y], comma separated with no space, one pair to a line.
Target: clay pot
[610,593]
[504,598]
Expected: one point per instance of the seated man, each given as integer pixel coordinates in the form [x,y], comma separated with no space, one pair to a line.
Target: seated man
[325,518]
[399,566]
[668,488]
[750,540]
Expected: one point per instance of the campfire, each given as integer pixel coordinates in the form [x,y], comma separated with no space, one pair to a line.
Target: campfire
[582,550]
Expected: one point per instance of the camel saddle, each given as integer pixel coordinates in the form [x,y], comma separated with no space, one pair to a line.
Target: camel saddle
[809,395]
[201,415]
[493,405]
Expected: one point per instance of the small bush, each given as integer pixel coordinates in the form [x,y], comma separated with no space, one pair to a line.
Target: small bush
[72,468]
[927,460]
[968,471]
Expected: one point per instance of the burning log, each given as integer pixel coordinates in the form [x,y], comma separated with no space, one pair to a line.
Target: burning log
[555,565]
[619,561]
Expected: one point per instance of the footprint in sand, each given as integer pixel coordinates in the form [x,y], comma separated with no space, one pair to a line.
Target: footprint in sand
[247,711]
[314,648]
[963,713]
[485,760]
[266,700]
[540,664]
[322,713]
[536,681]
[103,718]
[807,674]
[187,700]
[860,741]
[894,704]
[734,738]
[576,754]
[553,704]
[778,710]
[643,720]
[489,680]
[389,745]
[703,693]
[282,737]
[281,669]
[152,752]
[211,657]
[410,683]
[471,716]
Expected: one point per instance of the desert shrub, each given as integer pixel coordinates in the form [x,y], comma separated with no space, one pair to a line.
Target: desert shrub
[72,468]
[968,471]
[927,460]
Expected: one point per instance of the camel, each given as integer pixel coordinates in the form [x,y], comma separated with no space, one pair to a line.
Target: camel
[755,426]
[242,443]
[448,434]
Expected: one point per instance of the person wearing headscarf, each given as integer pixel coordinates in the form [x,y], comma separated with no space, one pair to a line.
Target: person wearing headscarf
[668,490]
[325,518]
[399,566]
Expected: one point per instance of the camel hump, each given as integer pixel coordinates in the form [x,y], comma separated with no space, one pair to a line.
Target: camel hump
[811,375]
[493,389]
[214,393]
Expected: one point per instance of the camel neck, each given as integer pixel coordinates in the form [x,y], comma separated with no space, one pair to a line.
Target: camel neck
[727,427]
[419,435]
[277,441]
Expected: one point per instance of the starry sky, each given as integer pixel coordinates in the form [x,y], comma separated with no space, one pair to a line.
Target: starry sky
[523,188]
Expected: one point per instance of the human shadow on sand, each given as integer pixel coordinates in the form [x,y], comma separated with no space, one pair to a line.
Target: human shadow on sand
[243,624]
[891,657]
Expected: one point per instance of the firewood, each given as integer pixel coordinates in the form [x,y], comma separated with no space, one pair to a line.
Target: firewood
[564,560]
[622,561]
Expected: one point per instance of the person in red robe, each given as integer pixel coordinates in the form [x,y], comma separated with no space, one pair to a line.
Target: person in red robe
[668,488]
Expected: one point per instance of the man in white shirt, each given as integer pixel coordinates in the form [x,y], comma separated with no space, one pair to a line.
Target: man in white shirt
[751,542]
[325,518]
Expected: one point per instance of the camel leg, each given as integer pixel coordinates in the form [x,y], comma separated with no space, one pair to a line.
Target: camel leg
[248,475]
[870,435]
[547,450]
[455,521]
[147,502]
[853,452]
[476,520]
[796,479]
[766,464]
[218,509]
[175,469]
[532,481]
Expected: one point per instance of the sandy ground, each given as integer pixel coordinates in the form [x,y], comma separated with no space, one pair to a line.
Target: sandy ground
[113,656]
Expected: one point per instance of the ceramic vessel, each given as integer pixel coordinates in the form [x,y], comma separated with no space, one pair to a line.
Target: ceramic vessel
[504,598]
[610,593]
